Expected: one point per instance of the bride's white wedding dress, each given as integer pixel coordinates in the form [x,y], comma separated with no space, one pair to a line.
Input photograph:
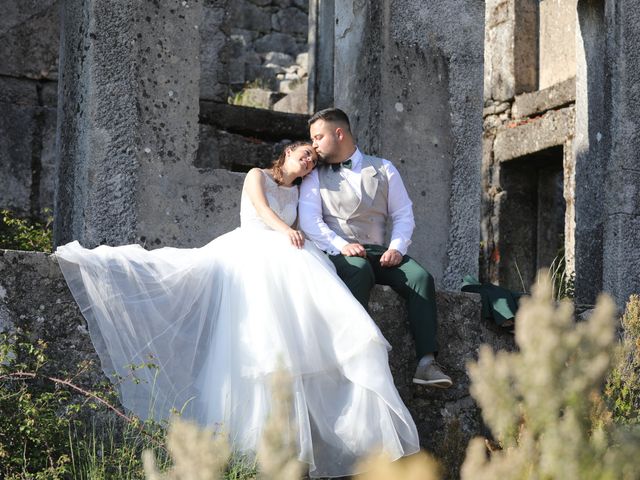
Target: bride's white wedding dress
[218,320]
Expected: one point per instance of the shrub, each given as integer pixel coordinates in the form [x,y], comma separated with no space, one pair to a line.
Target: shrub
[24,234]
[623,385]
[540,402]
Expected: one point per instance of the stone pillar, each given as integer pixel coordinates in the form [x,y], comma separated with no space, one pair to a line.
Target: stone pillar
[410,76]
[591,148]
[511,53]
[128,126]
[621,259]
[321,58]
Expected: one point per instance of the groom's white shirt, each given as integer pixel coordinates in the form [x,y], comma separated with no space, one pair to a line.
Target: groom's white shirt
[399,208]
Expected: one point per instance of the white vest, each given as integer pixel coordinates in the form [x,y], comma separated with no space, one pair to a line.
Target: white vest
[357,220]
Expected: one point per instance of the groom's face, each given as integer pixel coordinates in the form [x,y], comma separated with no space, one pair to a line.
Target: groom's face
[325,137]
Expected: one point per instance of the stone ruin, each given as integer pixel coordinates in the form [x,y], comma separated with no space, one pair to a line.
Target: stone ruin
[117,117]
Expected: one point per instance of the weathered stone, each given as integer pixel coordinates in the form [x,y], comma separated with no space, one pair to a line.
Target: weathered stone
[558,95]
[246,15]
[295,101]
[277,42]
[257,98]
[35,298]
[29,38]
[27,158]
[536,134]
[291,21]
[254,122]
[220,149]
[557,41]
[621,245]
[511,52]
[302,4]
[117,163]
[278,58]
[389,71]
[590,148]
[214,79]
[302,59]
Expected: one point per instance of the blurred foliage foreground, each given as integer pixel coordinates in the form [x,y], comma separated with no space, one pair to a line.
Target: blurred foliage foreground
[565,406]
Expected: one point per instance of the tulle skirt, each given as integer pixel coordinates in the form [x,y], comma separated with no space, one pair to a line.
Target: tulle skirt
[202,330]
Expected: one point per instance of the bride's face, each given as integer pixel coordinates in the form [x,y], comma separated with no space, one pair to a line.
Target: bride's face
[301,160]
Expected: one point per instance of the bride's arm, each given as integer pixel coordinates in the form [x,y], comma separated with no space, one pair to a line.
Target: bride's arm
[254,187]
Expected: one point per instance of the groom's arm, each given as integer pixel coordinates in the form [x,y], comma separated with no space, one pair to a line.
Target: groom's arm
[400,210]
[311,222]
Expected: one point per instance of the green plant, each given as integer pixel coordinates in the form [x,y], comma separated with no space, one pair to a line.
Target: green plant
[562,280]
[25,234]
[623,385]
[51,428]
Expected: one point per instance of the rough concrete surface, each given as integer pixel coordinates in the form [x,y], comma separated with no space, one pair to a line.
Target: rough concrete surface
[622,195]
[591,148]
[34,296]
[535,134]
[410,76]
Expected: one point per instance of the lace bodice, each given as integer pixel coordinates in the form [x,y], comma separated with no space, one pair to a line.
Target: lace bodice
[282,200]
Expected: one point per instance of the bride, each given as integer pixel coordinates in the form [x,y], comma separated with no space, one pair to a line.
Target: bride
[201,330]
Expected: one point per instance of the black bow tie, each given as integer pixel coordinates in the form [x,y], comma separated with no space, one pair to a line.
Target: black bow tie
[336,166]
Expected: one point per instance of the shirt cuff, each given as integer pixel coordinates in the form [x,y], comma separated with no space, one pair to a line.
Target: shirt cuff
[338,243]
[400,245]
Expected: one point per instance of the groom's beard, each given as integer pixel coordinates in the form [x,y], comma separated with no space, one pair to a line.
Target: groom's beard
[327,158]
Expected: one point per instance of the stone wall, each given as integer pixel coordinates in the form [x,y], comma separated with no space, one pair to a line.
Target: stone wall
[255,53]
[29,50]
[410,76]
[34,297]
[29,47]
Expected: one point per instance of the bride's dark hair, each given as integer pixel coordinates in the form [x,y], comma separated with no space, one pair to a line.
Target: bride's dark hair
[276,166]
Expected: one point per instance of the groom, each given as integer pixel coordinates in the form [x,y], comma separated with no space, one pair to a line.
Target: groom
[344,207]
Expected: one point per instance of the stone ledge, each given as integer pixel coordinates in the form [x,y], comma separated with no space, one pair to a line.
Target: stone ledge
[556,96]
[34,296]
[535,134]
[256,122]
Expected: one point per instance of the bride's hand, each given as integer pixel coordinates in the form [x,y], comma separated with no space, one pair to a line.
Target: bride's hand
[296,237]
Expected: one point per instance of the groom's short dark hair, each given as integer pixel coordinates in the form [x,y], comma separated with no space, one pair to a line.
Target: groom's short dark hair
[331,115]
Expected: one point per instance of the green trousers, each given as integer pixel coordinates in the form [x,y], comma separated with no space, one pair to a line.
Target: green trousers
[409,279]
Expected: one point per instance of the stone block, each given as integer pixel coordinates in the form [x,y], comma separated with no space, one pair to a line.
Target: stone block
[257,98]
[295,101]
[291,21]
[29,38]
[220,149]
[558,95]
[246,15]
[277,42]
[533,135]
[213,75]
[34,297]
[27,157]
[461,331]
[557,41]
[278,58]
[254,122]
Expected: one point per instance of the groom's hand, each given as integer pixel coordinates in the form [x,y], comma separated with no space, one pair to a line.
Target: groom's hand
[353,250]
[390,258]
